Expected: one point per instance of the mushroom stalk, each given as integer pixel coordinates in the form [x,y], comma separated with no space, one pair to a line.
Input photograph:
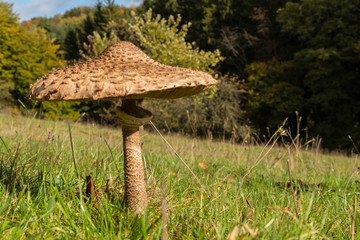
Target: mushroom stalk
[135,187]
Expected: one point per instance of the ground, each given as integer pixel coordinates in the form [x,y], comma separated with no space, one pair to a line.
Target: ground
[236,191]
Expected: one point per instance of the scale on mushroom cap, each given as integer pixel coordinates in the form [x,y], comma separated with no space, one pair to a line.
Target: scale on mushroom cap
[123,72]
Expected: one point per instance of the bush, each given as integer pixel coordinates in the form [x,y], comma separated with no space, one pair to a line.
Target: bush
[218,116]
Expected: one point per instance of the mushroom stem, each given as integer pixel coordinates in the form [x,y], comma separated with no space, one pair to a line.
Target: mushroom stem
[135,187]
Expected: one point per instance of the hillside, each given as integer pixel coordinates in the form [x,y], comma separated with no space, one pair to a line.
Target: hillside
[58,26]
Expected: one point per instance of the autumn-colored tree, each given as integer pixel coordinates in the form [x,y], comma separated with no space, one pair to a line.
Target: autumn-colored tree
[25,55]
[8,34]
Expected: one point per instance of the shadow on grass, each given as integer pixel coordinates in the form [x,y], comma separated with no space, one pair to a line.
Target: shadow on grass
[16,173]
[16,177]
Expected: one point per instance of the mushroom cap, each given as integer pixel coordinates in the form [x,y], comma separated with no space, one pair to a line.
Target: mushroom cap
[122,71]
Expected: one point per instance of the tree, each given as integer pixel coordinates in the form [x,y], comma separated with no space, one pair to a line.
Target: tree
[72,45]
[327,64]
[34,57]
[25,55]
[100,19]
[164,40]
[244,31]
[105,20]
[8,33]
[317,76]
[272,96]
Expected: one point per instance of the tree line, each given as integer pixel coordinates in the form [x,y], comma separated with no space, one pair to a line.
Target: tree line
[275,60]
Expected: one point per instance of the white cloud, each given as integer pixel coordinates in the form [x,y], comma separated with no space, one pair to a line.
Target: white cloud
[40,8]
[28,9]
[133,3]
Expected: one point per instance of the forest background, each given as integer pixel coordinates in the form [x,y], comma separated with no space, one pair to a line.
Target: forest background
[275,60]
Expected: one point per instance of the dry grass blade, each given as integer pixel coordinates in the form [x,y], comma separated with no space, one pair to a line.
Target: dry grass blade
[353,220]
[252,232]
[9,220]
[297,139]
[292,189]
[164,229]
[354,145]
[234,233]
[251,211]
[248,201]
[261,156]
[177,155]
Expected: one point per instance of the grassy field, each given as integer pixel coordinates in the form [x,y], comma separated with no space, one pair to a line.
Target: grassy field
[245,191]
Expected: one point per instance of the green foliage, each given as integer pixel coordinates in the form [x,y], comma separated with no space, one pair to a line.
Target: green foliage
[244,31]
[100,18]
[9,29]
[99,43]
[164,40]
[59,110]
[271,94]
[76,12]
[194,11]
[315,72]
[52,26]
[72,45]
[26,55]
[59,25]
[322,23]
[36,57]
[8,34]
[327,65]
[105,20]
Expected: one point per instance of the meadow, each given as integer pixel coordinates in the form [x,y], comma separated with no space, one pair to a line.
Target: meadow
[233,191]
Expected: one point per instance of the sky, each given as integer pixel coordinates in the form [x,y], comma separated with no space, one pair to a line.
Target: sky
[28,9]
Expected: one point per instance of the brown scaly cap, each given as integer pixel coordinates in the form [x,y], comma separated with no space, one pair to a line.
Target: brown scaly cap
[121,71]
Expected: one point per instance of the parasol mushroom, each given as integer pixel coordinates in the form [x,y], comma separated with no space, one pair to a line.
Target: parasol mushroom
[123,72]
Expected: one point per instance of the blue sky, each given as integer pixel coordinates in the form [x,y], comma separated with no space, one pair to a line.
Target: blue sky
[47,8]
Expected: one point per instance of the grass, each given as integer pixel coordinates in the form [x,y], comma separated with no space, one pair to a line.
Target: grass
[42,195]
